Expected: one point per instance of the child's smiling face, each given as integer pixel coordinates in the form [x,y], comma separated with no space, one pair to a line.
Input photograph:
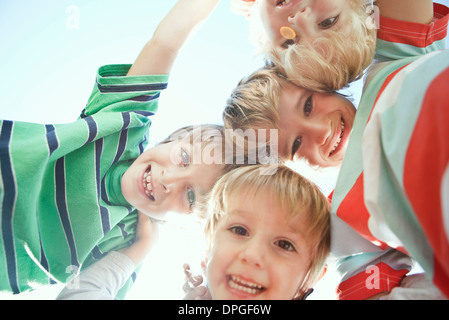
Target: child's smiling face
[257,252]
[314,126]
[307,18]
[165,178]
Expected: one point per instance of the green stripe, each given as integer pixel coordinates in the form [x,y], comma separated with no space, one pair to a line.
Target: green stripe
[386,50]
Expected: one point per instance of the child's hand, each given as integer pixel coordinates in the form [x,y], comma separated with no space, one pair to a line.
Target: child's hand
[146,231]
[198,293]
[193,288]
[146,236]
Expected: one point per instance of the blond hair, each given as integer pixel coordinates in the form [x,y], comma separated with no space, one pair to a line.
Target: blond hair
[253,103]
[296,195]
[332,61]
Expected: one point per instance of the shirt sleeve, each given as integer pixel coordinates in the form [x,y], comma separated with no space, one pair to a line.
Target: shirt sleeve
[114,91]
[400,39]
[100,281]
[365,268]
[415,287]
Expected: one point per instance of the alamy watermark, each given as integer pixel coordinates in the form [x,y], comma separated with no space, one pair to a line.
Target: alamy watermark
[72,281]
[205,145]
[73,17]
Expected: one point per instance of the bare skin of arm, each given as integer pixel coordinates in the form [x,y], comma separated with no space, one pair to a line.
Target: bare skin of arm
[159,54]
[418,11]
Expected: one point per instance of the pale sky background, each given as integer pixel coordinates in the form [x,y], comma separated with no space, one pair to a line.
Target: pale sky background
[49,53]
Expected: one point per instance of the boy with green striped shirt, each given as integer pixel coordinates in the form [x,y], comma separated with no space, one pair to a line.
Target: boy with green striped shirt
[70,192]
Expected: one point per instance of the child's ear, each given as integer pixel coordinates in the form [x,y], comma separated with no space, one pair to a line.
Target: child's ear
[204,262]
[203,265]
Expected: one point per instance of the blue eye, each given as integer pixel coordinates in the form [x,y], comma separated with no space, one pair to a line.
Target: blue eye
[185,158]
[191,197]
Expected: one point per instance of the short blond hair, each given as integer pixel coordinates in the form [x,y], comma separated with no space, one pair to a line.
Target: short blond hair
[295,194]
[254,102]
[332,61]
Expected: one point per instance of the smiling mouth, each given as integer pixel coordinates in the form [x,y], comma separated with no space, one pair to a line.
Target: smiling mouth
[244,286]
[147,186]
[342,123]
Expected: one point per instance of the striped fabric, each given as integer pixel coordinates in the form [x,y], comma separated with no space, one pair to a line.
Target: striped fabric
[61,202]
[396,166]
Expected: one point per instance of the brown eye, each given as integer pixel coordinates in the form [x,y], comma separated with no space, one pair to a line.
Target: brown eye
[238,230]
[296,145]
[328,23]
[308,105]
[285,245]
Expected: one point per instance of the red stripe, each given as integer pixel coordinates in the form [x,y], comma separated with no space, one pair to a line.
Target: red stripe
[353,211]
[415,34]
[358,219]
[426,161]
[376,279]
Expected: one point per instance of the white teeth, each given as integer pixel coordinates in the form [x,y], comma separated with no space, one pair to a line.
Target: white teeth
[243,285]
[339,138]
[147,185]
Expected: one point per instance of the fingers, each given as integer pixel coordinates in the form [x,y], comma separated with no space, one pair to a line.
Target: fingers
[192,287]
[198,293]
[191,280]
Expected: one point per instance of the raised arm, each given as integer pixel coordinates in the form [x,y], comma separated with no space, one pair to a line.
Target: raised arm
[159,54]
[419,11]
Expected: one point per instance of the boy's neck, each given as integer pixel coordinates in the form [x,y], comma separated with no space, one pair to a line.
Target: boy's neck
[113,183]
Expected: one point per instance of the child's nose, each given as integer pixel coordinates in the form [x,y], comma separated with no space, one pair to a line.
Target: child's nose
[319,131]
[253,253]
[300,18]
[171,179]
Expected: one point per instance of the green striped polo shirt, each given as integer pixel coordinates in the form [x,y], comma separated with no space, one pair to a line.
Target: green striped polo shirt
[60,199]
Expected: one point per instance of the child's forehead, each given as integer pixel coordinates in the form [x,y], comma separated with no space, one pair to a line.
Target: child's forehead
[264,195]
[249,205]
